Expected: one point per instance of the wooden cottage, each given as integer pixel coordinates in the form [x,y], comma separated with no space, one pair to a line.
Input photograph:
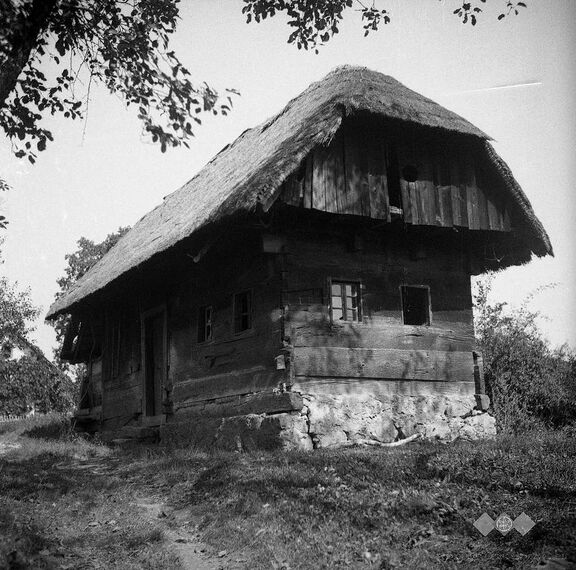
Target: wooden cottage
[311,284]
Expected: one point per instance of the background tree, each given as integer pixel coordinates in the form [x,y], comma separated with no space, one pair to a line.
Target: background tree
[529,383]
[78,263]
[30,380]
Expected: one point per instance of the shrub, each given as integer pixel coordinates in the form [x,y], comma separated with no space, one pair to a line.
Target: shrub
[529,383]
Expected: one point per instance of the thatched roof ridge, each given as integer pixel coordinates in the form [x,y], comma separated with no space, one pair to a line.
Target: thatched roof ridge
[247,173]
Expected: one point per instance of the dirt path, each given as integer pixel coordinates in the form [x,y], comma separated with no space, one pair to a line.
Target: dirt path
[180,535]
[179,532]
[178,528]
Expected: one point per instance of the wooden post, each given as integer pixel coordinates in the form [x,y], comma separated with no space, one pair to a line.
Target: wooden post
[482,400]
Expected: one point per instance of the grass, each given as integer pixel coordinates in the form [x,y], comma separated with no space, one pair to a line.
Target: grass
[410,507]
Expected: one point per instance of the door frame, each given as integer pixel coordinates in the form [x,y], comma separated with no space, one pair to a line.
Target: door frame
[144,315]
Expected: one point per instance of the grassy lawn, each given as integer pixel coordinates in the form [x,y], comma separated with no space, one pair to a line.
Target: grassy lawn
[67,503]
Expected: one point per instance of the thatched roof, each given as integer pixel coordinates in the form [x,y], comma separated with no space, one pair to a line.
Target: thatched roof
[248,173]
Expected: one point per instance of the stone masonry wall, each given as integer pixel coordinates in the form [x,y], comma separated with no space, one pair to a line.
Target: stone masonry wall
[332,420]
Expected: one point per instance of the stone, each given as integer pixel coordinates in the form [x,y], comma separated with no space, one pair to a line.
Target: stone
[482,402]
[459,406]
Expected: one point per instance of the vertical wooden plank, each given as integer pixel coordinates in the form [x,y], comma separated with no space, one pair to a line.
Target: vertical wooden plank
[414,202]
[407,206]
[307,202]
[425,185]
[507,225]
[291,190]
[445,202]
[482,209]
[318,180]
[334,174]
[471,194]
[455,190]
[445,158]
[365,143]
[377,180]
[493,218]
[410,193]
[354,175]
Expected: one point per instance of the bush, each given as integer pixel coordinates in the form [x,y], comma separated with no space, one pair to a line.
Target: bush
[530,384]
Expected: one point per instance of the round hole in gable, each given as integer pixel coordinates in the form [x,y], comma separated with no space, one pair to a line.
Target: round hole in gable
[410,173]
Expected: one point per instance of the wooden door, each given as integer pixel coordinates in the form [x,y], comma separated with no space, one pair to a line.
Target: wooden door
[154,361]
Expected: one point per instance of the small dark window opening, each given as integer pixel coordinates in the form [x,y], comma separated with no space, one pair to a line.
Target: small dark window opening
[242,311]
[410,173]
[205,316]
[345,302]
[415,305]
[393,178]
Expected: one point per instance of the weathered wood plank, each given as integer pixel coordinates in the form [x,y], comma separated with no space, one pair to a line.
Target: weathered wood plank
[384,363]
[258,403]
[121,402]
[374,388]
[384,336]
[328,178]
[321,154]
[254,379]
[482,209]
[291,189]
[377,180]
[427,186]
[356,175]
[471,194]
[445,201]
[494,219]
[308,176]
[456,206]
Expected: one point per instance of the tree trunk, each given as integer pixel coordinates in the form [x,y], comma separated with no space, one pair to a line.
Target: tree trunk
[26,29]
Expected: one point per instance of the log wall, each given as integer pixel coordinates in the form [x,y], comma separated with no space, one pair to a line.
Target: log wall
[380,347]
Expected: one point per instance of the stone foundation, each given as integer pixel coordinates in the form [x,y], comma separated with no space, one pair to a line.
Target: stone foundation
[318,420]
[334,420]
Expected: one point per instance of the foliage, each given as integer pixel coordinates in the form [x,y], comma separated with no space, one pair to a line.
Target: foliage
[31,379]
[4,186]
[16,312]
[315,22]
[79,262]
[125,46]
[122,44]
[529,382]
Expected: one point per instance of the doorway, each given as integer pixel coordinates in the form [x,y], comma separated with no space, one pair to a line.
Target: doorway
[155,364]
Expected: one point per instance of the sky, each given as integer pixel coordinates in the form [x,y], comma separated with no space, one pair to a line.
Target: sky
[515,79]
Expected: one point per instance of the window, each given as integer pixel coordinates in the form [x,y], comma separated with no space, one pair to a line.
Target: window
[345,301]
[205,315]
[415,304]
[242,311]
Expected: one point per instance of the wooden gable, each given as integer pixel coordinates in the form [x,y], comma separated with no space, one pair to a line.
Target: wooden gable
[423,180]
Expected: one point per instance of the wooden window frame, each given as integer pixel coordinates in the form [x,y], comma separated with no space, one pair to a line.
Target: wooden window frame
[428,300]
[204,324]
[341,281]
[250,313]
